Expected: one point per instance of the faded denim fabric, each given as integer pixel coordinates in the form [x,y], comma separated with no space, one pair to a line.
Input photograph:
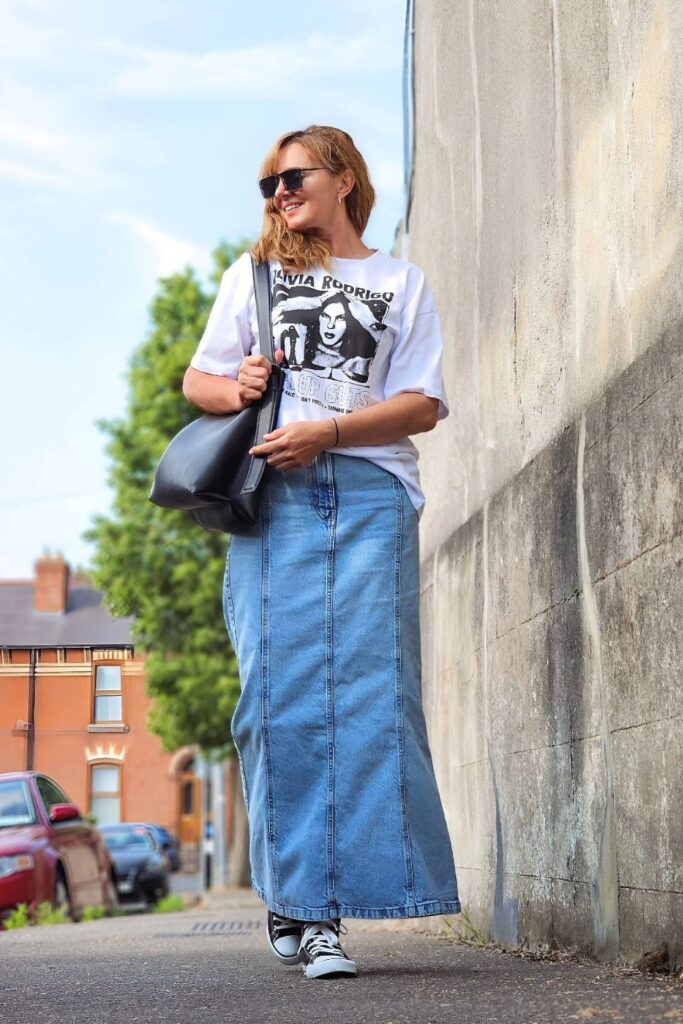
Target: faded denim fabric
[322,607]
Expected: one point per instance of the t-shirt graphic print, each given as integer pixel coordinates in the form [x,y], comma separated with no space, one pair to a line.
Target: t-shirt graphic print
[329,335]
[359,334]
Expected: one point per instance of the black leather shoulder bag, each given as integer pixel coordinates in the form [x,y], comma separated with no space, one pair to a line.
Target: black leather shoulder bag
[206,469]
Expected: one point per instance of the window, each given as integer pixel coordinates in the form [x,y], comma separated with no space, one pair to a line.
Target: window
[51,793]
[188,798]
[127,838]
[108,698]
[105,793]
[16,804]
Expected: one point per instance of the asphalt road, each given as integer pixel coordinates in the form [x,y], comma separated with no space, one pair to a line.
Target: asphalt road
[212,965]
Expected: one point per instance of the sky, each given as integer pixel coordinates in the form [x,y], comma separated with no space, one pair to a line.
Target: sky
[131,136]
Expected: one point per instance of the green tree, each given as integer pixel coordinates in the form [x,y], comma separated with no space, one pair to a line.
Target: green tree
[156,564]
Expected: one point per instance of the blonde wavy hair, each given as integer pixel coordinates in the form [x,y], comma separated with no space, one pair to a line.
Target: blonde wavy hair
[331,148]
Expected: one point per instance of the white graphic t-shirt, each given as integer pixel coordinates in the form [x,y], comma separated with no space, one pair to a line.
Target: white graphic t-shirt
[356,336]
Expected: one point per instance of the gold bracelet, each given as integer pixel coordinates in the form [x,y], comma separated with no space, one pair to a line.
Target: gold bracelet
[336,427]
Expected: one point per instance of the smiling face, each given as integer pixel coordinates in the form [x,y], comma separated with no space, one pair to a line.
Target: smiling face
[332,323]
[314,207]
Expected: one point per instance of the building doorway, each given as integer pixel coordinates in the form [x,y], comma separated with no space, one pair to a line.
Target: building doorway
[188,816]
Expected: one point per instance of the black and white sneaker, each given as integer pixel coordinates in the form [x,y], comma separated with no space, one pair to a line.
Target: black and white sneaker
[321,953]
[284,938]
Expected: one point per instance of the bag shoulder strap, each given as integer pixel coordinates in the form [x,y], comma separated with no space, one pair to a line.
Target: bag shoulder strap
[261,272]
[268,406]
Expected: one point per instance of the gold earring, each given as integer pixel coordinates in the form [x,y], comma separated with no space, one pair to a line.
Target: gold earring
[339,199]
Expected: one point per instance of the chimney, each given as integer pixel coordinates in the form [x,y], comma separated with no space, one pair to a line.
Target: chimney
[51,588]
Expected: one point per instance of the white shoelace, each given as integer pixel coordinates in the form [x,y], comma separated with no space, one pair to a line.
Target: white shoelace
[284,924]
[279,922]
[321,940]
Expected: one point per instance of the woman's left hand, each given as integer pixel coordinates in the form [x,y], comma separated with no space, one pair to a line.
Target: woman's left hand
[296,445]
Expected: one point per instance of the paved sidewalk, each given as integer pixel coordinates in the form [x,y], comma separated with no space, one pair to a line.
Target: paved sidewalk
[211,964]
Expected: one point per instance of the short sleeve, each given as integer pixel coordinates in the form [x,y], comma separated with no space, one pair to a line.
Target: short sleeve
[415,362]
[228,338]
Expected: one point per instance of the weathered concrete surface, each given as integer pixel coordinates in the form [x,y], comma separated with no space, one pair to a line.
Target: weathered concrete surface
[547,213]
[552,646]
[213,965]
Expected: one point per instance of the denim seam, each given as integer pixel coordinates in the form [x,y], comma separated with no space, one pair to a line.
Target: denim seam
[321,483]
[329,679]
[229,613]
[265,688]
[227,591]
[398,552]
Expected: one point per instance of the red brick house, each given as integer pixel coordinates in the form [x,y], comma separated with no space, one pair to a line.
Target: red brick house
[73,705]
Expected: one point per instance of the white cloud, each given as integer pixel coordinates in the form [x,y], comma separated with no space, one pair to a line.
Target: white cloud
[32,137]
[27,174]
[43,141]
[23,38]
[168,253]
[44,138]
[253,71]
[387,176]
[41,146]
[49,135]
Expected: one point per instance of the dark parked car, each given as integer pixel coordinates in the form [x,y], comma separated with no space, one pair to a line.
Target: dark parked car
[140,865]
[48,853]
[167,842]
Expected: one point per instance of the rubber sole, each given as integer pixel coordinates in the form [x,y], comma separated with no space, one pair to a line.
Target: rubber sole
[288,961]
[332,968]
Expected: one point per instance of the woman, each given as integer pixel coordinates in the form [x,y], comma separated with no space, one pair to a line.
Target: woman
[334,340]
[321,600]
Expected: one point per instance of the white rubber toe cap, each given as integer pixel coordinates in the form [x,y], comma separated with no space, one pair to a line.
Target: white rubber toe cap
[330,967]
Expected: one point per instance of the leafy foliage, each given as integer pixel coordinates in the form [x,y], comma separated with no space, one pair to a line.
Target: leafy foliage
[170,904]
[47,914]
[93,913]
[19,918]
[27,914]
[156,564]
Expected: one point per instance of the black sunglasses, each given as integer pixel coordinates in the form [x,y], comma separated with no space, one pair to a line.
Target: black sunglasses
[292,180]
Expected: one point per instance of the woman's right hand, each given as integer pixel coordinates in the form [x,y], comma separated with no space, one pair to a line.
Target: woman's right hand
[253,374]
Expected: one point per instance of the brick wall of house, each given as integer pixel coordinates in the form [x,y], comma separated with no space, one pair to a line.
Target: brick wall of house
[65,743]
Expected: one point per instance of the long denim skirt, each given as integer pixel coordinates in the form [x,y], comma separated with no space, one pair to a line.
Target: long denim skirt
[321,603]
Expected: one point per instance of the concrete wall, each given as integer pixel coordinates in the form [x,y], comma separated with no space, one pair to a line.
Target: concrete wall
[547,215]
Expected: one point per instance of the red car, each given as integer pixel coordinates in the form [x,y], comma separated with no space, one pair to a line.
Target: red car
[48,853]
